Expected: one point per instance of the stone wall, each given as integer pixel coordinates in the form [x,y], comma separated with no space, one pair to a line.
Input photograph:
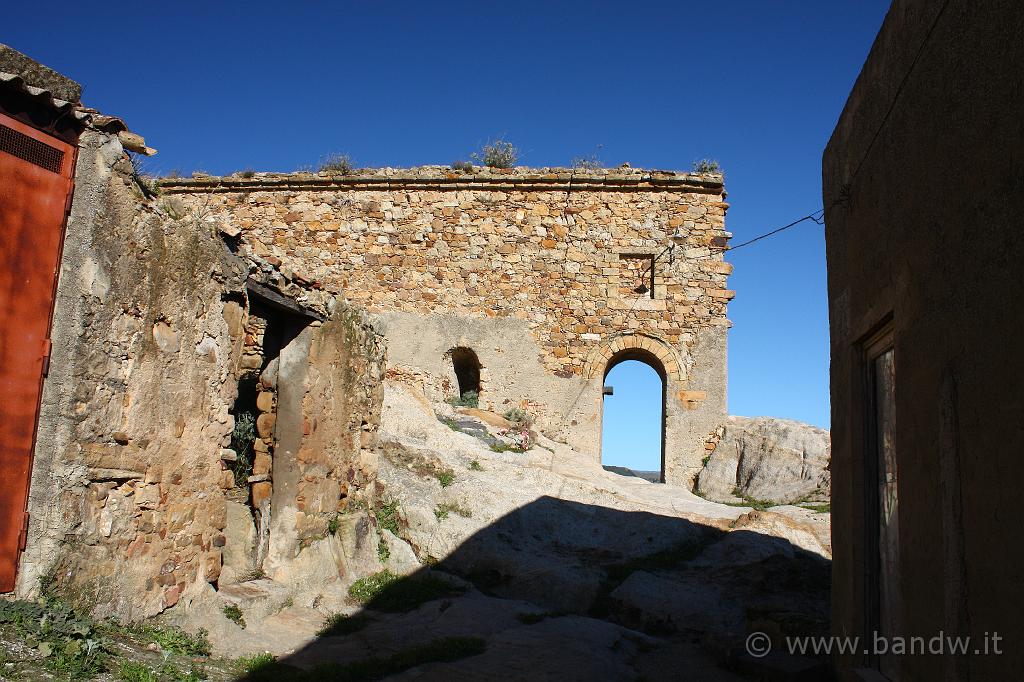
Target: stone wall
[546,274]
[133,469]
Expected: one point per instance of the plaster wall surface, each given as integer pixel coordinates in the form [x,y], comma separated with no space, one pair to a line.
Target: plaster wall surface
[923,194]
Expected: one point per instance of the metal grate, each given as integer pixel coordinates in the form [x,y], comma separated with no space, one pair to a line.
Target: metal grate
[30,149]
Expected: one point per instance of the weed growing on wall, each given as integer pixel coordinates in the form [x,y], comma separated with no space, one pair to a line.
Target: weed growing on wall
[707,166]
[497,154]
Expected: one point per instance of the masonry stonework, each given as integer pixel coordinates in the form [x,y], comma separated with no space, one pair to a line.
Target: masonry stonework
[550,276]
[155,321]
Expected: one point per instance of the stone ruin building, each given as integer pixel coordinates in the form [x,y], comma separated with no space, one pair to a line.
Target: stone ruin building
[187,312]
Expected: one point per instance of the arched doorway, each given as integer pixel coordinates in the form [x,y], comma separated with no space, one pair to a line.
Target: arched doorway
[633,415]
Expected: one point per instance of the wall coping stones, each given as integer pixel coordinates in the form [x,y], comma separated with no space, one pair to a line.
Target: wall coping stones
[441,178]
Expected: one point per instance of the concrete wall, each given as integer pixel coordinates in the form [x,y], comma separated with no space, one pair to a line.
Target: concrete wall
[924,195]
[532,269]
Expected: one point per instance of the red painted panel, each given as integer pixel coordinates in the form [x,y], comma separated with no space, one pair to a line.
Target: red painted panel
[35,184]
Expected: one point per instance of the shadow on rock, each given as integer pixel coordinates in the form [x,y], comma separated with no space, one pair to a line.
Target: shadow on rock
[567,591]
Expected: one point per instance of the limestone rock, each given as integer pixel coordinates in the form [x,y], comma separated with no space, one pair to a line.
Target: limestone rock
[768,459]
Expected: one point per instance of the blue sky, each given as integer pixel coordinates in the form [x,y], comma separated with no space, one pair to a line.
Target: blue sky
[757,85]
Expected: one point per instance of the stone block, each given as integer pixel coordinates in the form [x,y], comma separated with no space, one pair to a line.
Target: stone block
[265,425]
[265,401]
[261,464]
[261,493]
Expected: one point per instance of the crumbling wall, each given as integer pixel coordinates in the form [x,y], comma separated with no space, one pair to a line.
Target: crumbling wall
[536,270]
[152,330]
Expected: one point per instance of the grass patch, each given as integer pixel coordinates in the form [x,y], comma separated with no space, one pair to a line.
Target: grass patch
[70,643]
[467,399]
[266,668]
[234,614]
[383,551]
[366,589]
[438,651]
[451,424]
[752,502]
[443,510]
[388,516]
[475,466]
[334,524]
[824,508]
[445,477]
[385,591]
[174,639]
[338,624]
[133,671]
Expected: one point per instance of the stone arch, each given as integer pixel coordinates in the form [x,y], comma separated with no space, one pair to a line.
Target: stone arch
[642,345]
[640,352]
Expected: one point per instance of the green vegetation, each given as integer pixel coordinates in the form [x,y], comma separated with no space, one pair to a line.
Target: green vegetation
[499,153]
[753,502]
[707,166]
[366,589]
[172,639]
[464,166]
[242,438]
[519,417]
[451,424]
[69,642]
[264,668]
[445,477]
[71,646]
[234,614]
[385,591]
[442,510]
[334,524]
[467,399]
[388,516]
[383,551]
[136,671]
[341,624]
[475,466]
[336,163]
[824,508]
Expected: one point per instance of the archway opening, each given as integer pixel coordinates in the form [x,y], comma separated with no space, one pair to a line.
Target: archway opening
[633,415]
[467,372]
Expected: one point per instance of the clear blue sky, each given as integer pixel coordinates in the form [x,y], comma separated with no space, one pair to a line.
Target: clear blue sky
[224,86]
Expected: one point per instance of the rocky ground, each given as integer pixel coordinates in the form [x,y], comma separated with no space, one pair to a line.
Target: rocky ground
[478,561]
[483,562]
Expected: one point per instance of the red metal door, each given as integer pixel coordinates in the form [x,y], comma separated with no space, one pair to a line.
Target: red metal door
[35,189]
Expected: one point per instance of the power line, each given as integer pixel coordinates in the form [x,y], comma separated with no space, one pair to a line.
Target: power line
[817,217]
